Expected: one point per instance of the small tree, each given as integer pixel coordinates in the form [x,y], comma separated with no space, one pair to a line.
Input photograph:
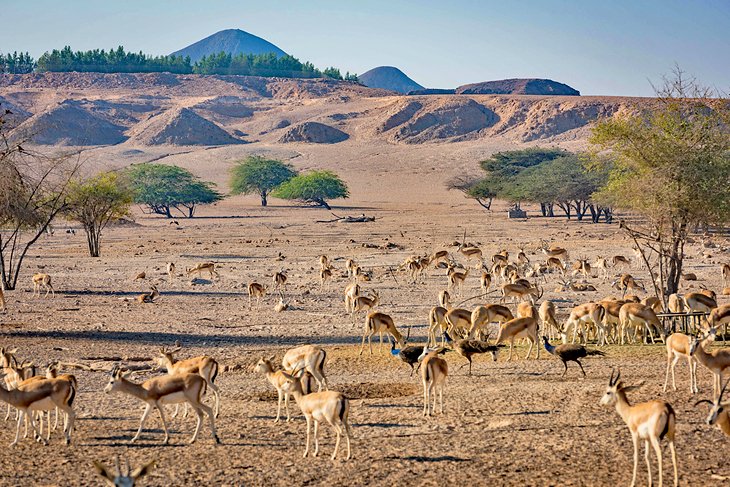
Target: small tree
[96,202]
[161,188]
[258,175]
[314,187]
[474,188]
[671,164]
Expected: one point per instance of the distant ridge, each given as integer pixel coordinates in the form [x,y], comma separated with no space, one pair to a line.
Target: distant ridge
[518,86]
[389,78]
[232,41]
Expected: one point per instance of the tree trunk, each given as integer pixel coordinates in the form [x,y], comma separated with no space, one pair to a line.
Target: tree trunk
[93,238]
[551,210]
[323,203]
[191,211]
[674,263]
[543,209]
[264,198]
[167,212]
[595,215]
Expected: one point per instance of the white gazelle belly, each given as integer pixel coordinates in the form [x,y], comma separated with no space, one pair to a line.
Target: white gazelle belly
[174,398]
[45,404]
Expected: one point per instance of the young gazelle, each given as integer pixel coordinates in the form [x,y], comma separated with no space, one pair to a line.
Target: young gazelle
[256,290]
[41,280]
[716,361]
[42,395]
[330,406]
[203,266]
[377,322]
[434,371]
[120,479]
[678,346]
[280,282]
[650,421]
[276,378]
[364,303]
[457,278]
[310,358]
[206,367]
[166,389]
[519,328]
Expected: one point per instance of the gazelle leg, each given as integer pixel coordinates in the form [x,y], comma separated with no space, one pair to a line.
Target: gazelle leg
[338,431]
[658,452]
[211,417]
[648,463]
[316,440]
[217,395]
[425,399]
[674,463]
[635,440]
[35,430]
[309,425]
[164,424]
[146,413]
[286,404]
[278,406]
[441,398]
[198,424]
[174,413]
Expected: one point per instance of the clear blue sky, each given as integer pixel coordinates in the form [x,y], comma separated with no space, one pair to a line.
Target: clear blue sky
[601,47]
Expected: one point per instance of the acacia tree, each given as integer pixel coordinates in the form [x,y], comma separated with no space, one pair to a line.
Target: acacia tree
[97,201]
[258,175]
[671,164]
[474,188]
[33,190]
[162,188]
[313,187]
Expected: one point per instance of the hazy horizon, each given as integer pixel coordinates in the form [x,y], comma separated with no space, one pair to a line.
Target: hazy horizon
[595,47]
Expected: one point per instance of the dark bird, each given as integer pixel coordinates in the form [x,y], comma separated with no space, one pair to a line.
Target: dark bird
[468,348]
[174,222]
[411,354]
[570,353]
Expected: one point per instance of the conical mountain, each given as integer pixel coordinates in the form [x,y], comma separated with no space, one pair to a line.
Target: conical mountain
[181,126]
[389,78]
[232,41]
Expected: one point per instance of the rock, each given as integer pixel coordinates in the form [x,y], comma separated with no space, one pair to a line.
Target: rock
[314,133]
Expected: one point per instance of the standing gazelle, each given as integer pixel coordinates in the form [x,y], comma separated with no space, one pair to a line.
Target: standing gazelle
[678,346]
[206,367]
[330,406]
[166,389]
[434,371]
[377,322]
[255,290]
[203,266]
[41,280]
[649,421]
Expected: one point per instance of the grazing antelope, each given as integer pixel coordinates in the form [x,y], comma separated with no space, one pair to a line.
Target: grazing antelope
[280,282]
[352,291]
[203,365]
[612,318]
[170,271]
[716,361]
[490,313]
[458,321]
[584,316]
[602,265]
[554,263]
[485,281]
[363,303]
[519,328]
[620,261]
[166,389]
[438,256]
[678,346]
[471,253]
[148,297]
[325,274]
[554,251]
[377,322]
[434,371]
[700,302]
[330,406]
[456,279]
[311,359]
[437,322]
[627,283]
[548,317]
[120,479]
[650,421]
[444,299]
[720,316]
[203,266]
[520,292]
[41,395]
[41,280]
[719,414]
[255,290]
[640,317]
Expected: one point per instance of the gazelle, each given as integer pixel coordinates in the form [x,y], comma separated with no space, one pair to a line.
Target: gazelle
[170,271]
[554,251]
[120,479]
[166,389]
[324,262]
[352,291]
[642,317]
[555,263]
[582,317]
[471,253]
[444,299]
[719,413]
[522,259]
[519,328]
[364,303]
[716,361]
[485,281]
[41,280]
[526,308]
[520,292]
[620,261]
[280,282]
[650,421]
[612,318]
[720,316]
[203,266]
[42,395]
[548,317]
[458,321]
[351,266]
[330,406]
[437,323]
[203,365]
[255,290]
[654,303]
[276,378]
[310,358]
[678,346]
[325,274]
[148,297]
[581,266]
[566,285]
[602,265]
[726,273]
[434,371]
[377,322]
[456,279]
[627,283]
[490,313]
[675,303]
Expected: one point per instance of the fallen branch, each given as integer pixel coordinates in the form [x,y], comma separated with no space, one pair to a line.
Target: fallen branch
[349,219]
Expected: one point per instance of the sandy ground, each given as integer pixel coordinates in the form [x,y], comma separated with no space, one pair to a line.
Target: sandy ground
[512,423]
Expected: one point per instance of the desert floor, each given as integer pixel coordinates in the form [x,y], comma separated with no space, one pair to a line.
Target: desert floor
[511,423]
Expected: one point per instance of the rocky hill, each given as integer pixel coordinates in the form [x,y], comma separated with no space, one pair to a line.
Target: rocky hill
[389,78]
[232,41]
[530,86]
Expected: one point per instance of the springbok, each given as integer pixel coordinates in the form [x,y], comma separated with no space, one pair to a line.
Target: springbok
[650,421]
[203,266]
[310,358]
[434,371]
[519,328]
[203,365]
[41,280]
[377,322]
[678,346]
[166,389]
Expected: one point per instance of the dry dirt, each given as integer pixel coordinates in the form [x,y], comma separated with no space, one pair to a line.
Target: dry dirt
[512,423]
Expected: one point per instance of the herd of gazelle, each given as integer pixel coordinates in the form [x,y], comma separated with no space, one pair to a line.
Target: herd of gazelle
[608,320]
